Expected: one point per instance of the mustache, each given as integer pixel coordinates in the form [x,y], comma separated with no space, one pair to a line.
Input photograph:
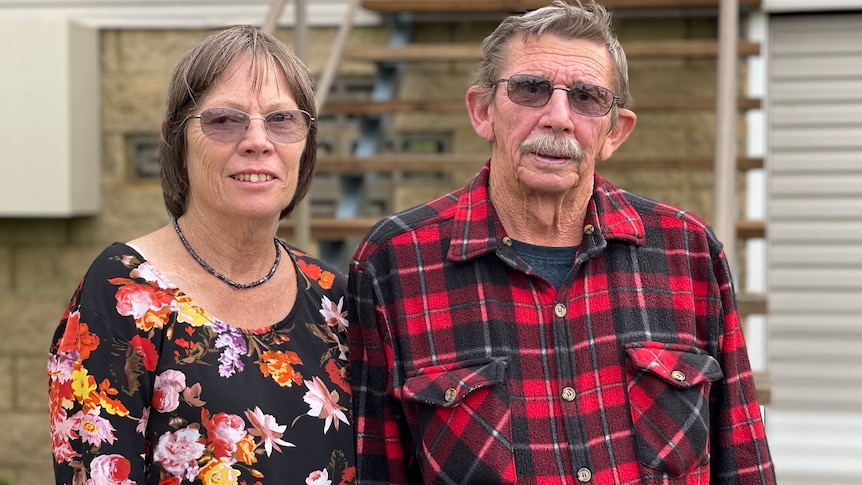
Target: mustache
[556,145]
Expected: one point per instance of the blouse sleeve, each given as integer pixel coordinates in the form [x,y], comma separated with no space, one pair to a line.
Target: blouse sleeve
[99,372]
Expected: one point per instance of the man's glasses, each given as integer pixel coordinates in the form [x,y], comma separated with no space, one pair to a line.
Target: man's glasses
[536,91]
[227,125]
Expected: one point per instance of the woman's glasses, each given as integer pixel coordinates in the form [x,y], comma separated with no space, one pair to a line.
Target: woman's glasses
[227,125]
[536,91]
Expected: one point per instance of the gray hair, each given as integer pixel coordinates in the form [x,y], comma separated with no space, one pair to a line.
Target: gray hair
[589,21]
[194,77]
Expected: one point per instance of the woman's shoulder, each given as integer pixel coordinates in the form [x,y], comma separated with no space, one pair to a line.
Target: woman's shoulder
[319,275]
[116,260]
[96,294]
[116,265]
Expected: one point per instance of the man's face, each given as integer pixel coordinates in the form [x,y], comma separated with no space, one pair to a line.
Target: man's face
[555,167]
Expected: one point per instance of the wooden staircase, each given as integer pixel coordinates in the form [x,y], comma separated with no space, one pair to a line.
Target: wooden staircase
[338,234]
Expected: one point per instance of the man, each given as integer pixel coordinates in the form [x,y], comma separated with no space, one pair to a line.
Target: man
[540,325]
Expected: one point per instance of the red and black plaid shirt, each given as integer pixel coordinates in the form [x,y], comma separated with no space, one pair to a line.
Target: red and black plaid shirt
[470,368]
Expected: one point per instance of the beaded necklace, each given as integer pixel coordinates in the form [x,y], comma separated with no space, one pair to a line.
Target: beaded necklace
[212,271]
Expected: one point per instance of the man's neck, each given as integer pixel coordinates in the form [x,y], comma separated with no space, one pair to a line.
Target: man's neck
[543,220]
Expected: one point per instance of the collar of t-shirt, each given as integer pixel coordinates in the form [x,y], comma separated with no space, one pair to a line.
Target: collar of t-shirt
[552,262]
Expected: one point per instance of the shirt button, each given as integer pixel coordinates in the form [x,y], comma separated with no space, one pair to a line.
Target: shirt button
[450,395]
[560,310]
[678,375]
[507,241]
[569,394]
[589,229]
[584,475]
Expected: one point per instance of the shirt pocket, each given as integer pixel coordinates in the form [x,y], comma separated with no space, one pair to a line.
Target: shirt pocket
[669,386]
[462,420]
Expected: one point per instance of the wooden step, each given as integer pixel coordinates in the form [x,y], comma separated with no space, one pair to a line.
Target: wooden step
[337,229]
[750,304]
[684,48]
[698,162]
[687,103]
[359,107]
[763,385]
[650,103]
[485,6]
[330,228]
[399,162]
[749,229]
[690,48]
[471,52]
[447,162]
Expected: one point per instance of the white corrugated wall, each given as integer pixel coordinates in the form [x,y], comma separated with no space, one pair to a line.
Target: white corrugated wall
[814,247]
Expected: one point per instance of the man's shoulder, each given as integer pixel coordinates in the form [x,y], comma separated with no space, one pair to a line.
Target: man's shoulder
[653,211]
[435,216]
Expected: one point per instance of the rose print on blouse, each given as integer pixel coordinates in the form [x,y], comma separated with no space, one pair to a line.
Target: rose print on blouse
[224,431]
[110,470]
[178,453]
[148,304]
[168,386]
[219,472]
[214,451]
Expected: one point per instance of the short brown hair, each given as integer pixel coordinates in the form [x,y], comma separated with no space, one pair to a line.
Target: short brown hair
[193,78]
[587,21]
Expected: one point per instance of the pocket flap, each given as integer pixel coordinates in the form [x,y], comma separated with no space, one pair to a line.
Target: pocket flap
[679,365]
[448,385]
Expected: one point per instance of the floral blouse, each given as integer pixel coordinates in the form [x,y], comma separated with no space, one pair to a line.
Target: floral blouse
[147,387]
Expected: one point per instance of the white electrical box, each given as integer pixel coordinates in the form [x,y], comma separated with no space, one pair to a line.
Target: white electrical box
[50,131]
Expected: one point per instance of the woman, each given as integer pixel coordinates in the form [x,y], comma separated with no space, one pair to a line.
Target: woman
[209,351]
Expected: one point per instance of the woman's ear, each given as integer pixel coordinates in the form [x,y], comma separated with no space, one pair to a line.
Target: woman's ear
[477,108]
[626,120]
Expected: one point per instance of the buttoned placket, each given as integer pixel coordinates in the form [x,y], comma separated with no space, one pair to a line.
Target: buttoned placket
[574,428]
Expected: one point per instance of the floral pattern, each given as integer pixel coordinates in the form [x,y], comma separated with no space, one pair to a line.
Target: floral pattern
[147,387]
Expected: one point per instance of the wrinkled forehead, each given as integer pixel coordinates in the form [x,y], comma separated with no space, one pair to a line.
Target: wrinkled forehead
[560,59]
[249,78]
[257,69]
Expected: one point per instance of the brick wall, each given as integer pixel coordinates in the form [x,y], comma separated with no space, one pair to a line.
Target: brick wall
[41,260]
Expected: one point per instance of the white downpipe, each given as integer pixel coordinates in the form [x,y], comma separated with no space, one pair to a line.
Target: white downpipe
[756,205]
[724,184]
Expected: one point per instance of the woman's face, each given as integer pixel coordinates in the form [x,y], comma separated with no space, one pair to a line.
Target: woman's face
[253,177]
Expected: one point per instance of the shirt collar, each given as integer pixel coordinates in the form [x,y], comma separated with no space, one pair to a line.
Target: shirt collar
[477,229]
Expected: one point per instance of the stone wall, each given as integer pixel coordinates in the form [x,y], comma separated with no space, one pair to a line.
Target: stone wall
[42,260]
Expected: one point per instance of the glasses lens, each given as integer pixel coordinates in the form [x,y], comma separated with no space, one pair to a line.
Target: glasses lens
[288,126]
[536,91]
[590,100]
[532,91]
[224,124]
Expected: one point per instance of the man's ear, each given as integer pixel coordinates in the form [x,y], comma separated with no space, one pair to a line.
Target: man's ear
[479,116]
[626,120]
